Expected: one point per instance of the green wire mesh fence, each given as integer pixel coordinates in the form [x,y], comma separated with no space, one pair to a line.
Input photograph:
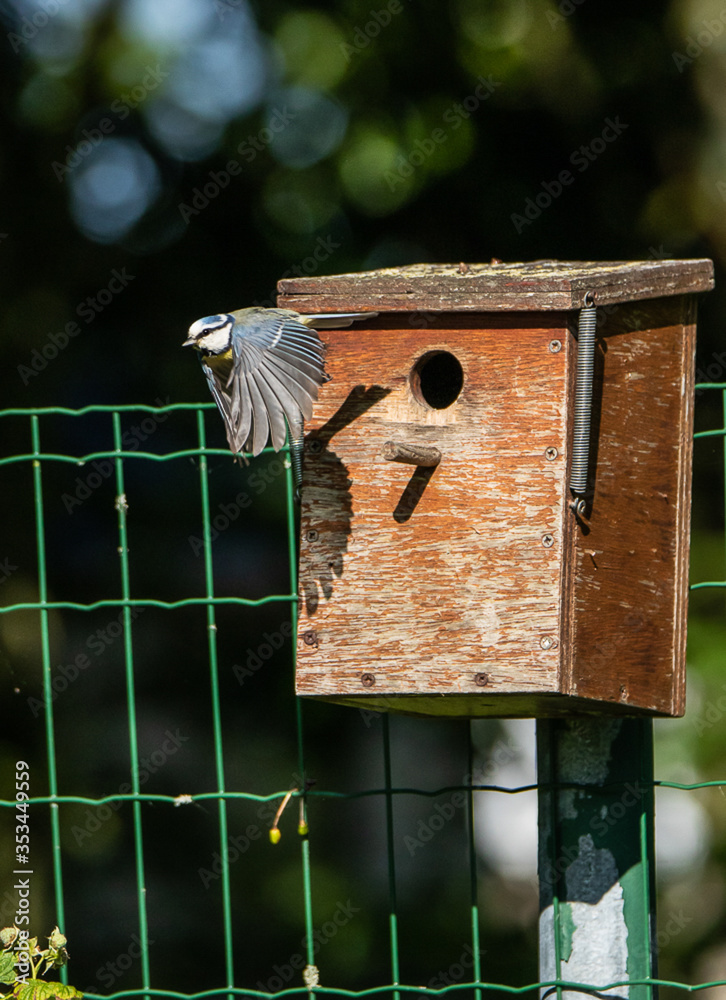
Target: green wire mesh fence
[161,743]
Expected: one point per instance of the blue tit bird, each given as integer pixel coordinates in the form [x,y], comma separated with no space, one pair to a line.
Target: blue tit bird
[264,368]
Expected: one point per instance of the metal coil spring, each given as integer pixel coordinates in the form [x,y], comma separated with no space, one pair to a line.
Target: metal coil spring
[296,457]
[586,328]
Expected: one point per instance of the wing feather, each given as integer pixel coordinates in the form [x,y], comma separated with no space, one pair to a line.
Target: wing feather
[275,372]
[290,375]
[295,401]
[234,406]
[333,321]
[260,427]
[274,405]
[223,400]
[285,339]
[280,364]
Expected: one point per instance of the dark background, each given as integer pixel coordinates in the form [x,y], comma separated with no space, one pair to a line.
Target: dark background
[202,149]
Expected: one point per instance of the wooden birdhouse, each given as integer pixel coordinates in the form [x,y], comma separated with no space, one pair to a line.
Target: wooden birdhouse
[496,494]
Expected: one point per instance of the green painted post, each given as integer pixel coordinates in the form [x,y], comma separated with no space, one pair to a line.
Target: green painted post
[596,861]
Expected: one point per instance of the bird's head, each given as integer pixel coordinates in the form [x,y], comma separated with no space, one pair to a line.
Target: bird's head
[211,334]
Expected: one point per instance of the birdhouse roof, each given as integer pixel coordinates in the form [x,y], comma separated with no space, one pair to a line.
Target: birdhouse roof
[496,287]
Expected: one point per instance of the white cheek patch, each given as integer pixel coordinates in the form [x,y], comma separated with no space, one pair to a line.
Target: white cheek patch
[216,341]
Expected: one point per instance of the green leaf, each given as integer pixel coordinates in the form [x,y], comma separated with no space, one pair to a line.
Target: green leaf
[7,967]
[38,989]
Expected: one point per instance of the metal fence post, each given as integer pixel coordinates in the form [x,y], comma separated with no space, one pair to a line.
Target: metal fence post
[596,860]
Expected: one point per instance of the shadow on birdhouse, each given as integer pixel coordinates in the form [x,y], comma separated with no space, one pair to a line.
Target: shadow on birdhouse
[329,540]
[495,504]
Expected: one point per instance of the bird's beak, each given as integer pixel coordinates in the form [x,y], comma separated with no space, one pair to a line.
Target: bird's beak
[190,342]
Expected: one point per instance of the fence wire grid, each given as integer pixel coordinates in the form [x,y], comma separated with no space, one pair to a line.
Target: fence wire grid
[161,743]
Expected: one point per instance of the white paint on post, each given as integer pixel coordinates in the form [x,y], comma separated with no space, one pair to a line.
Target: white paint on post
[598,952]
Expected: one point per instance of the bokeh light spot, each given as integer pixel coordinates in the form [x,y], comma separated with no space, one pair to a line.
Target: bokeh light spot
[312,47]
[306,126]
[112,188]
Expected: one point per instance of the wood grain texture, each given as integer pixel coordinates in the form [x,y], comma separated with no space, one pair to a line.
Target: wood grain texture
[535,286]
[629,581]
[469,588]
[426,579]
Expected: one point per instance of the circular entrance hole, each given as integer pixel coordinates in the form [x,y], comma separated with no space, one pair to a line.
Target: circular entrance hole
[437,379]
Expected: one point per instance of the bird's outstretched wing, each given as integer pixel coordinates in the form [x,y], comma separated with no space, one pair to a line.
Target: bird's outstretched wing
[223,398]
[278,367]
[335,321]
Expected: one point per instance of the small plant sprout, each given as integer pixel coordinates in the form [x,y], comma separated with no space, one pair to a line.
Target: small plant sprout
[275,834]
[302,823]
[22,963]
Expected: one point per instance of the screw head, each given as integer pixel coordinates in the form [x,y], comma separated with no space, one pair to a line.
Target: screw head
[367,680]
[312,535]
[315,446]
[551,454]
[481,679]
[310,638]
[548,540]
[548,642]
[555,346]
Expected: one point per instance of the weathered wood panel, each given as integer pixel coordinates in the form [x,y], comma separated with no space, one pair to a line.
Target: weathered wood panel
[468,587]
[442,580]
[630,572]
[495,287]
